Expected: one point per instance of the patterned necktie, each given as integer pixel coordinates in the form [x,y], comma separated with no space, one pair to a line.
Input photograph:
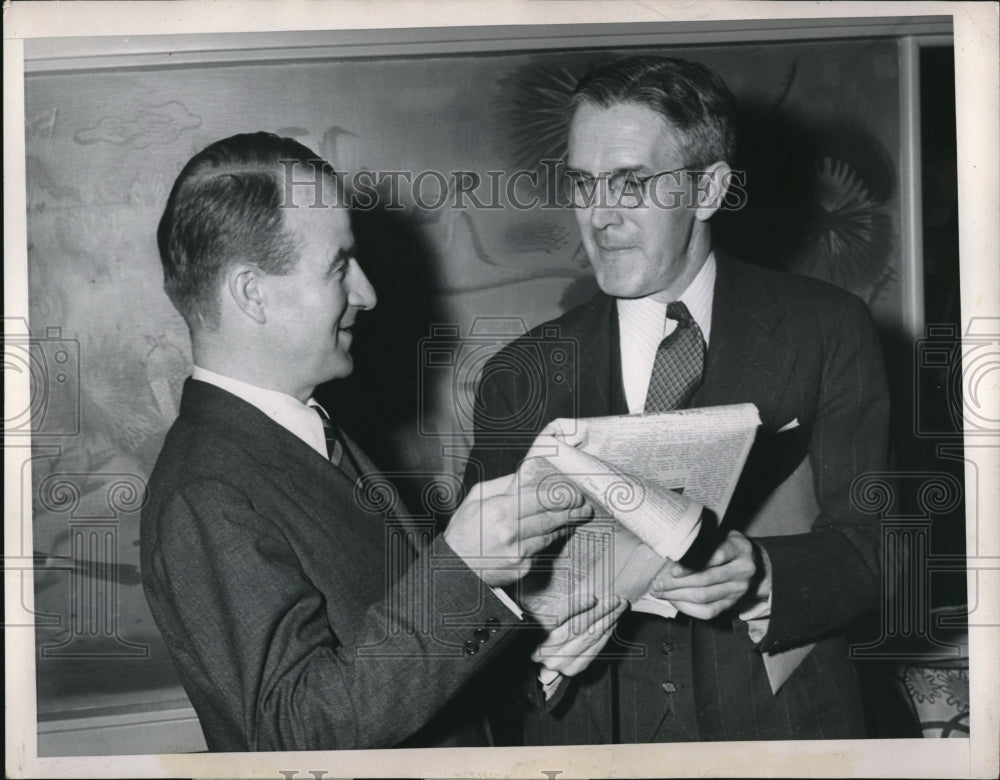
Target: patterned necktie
[680,360]
[339,455]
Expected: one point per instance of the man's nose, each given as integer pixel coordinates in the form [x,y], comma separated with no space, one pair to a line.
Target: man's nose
[602,206]
[360,292]
[603,215]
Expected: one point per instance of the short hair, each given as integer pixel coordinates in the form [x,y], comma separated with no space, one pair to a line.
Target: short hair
[226,206]
[691,97]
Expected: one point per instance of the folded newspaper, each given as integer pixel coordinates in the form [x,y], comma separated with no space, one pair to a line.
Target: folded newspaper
[649,478]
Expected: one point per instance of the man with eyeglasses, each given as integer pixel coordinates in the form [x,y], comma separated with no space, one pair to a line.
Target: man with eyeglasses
[756,650]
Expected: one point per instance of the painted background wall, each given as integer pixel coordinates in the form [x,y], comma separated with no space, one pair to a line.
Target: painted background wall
[820,132]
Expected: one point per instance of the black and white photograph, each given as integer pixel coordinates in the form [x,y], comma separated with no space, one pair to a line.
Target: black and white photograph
[518,389]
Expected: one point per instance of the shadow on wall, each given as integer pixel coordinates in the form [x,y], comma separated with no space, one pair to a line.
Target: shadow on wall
[816,199]
[377,405]
[819,199]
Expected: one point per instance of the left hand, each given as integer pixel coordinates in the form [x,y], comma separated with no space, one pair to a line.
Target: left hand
[705,593]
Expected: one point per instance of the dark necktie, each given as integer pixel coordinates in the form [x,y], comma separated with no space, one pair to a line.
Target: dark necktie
[338,453]
[680,360]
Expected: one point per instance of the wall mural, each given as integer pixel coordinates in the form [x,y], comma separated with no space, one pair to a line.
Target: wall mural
[817,123]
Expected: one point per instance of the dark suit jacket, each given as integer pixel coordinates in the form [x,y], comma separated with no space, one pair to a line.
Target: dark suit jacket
[800,350]
[297,619]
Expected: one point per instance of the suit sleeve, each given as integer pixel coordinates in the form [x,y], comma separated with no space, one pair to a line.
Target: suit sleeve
[266,667]
[823,580]
[497,450]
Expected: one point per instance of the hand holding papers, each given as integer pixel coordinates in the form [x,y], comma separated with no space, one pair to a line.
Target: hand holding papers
[570,648]
[725,579]
[497,529]
[649,479]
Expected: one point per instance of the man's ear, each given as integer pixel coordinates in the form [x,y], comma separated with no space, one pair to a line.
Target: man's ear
[710,189]
[246,292]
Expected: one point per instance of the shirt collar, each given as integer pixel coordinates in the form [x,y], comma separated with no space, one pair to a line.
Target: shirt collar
[291,414]
[646,314]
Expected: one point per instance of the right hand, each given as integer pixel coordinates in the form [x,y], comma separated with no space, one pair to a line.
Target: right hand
[572,644]
[502,524]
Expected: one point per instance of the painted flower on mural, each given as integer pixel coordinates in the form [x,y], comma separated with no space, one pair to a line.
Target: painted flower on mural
[534,101]
[941,700]
[956,683]
[922,685]
[849,231]
[950,686]
[536,98]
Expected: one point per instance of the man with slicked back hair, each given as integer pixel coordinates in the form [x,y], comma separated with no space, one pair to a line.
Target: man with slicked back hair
[299,614]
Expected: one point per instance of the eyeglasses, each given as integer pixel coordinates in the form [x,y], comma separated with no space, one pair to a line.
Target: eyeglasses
[625,189]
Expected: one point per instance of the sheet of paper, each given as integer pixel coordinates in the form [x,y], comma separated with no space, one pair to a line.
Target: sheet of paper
[700,452]
[648,477]
[661,517]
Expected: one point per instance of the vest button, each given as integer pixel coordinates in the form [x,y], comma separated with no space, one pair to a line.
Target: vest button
[667,648]
[471,647]
[669,687]
[481,635]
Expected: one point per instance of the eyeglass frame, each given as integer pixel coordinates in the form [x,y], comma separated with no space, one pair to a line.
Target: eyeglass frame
[574,178]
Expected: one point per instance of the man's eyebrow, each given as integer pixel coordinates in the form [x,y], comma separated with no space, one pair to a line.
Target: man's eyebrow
[638,168]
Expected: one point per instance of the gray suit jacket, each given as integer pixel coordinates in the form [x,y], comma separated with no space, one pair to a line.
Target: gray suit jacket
[298,616]
[800,350]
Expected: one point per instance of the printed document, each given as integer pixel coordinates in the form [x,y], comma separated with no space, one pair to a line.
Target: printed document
[650,478]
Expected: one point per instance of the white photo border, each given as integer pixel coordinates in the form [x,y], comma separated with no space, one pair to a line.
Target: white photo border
[976,53]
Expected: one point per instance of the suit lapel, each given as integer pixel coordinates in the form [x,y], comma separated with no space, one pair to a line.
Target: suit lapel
[746,360]
[276,448]
[599,360]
